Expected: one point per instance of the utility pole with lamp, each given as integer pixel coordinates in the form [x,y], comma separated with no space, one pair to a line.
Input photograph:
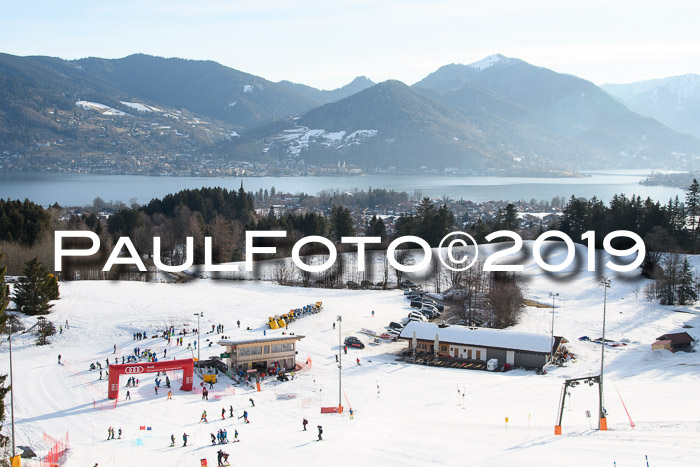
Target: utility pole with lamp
[551,352]
[340,365]
[603,421]
[199,345]
[12,387]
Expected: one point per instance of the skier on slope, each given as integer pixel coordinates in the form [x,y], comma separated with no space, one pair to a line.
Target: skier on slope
[304,423]
[320,433]
[203,418]
[223,414]
[252,402]
[184,439]
[172,440]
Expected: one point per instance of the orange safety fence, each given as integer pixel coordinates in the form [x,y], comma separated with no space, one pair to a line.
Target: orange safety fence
[58,449]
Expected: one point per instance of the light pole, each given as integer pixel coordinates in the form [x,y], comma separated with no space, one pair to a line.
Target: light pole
[198,315]
[602,421]
[12,388]
[551,351]
[340,365]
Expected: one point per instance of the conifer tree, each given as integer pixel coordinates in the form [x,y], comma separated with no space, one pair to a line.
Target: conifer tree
[341,223]
[692,203]
[35,289]
[686,285]
[376,228]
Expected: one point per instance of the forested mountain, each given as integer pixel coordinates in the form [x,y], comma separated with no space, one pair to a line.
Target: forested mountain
[144,114]
[569,116]
[203,87]
[674,101]
[324,97]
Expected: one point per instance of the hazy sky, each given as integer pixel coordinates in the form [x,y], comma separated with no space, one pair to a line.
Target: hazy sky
[326,43]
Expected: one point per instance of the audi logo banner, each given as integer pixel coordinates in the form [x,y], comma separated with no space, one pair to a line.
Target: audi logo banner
[186,365]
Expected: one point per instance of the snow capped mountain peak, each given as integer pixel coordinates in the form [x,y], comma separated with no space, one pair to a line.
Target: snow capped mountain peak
[684,86]
[488,62]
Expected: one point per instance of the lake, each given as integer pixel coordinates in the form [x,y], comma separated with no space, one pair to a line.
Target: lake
[79,190]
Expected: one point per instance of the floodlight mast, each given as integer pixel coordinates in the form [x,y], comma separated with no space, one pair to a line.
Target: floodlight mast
[602,420]
[340,365]
[199,345]
[12,386]
[551,351]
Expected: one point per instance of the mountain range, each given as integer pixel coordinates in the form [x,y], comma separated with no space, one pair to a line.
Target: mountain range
[674,101]
[496,114]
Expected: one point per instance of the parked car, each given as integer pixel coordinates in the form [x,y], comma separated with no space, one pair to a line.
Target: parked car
[428,313]
[432,309]
[430,301]
[394,333]
[416,304]
[352,341]
[395,325]
[416,316]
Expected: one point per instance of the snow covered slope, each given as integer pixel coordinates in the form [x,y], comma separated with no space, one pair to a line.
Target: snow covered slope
[101,108]
[405,414]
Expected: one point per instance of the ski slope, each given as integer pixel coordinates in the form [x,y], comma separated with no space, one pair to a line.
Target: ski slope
[405,414]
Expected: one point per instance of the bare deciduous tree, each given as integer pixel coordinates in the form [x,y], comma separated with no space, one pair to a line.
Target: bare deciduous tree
[282,272]
[405,258]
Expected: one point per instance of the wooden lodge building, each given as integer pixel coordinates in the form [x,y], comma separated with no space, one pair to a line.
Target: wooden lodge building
[261,353]
[515,348]
[674,342]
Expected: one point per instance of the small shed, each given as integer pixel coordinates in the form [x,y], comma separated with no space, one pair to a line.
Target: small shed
[661,345]
[678,341]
